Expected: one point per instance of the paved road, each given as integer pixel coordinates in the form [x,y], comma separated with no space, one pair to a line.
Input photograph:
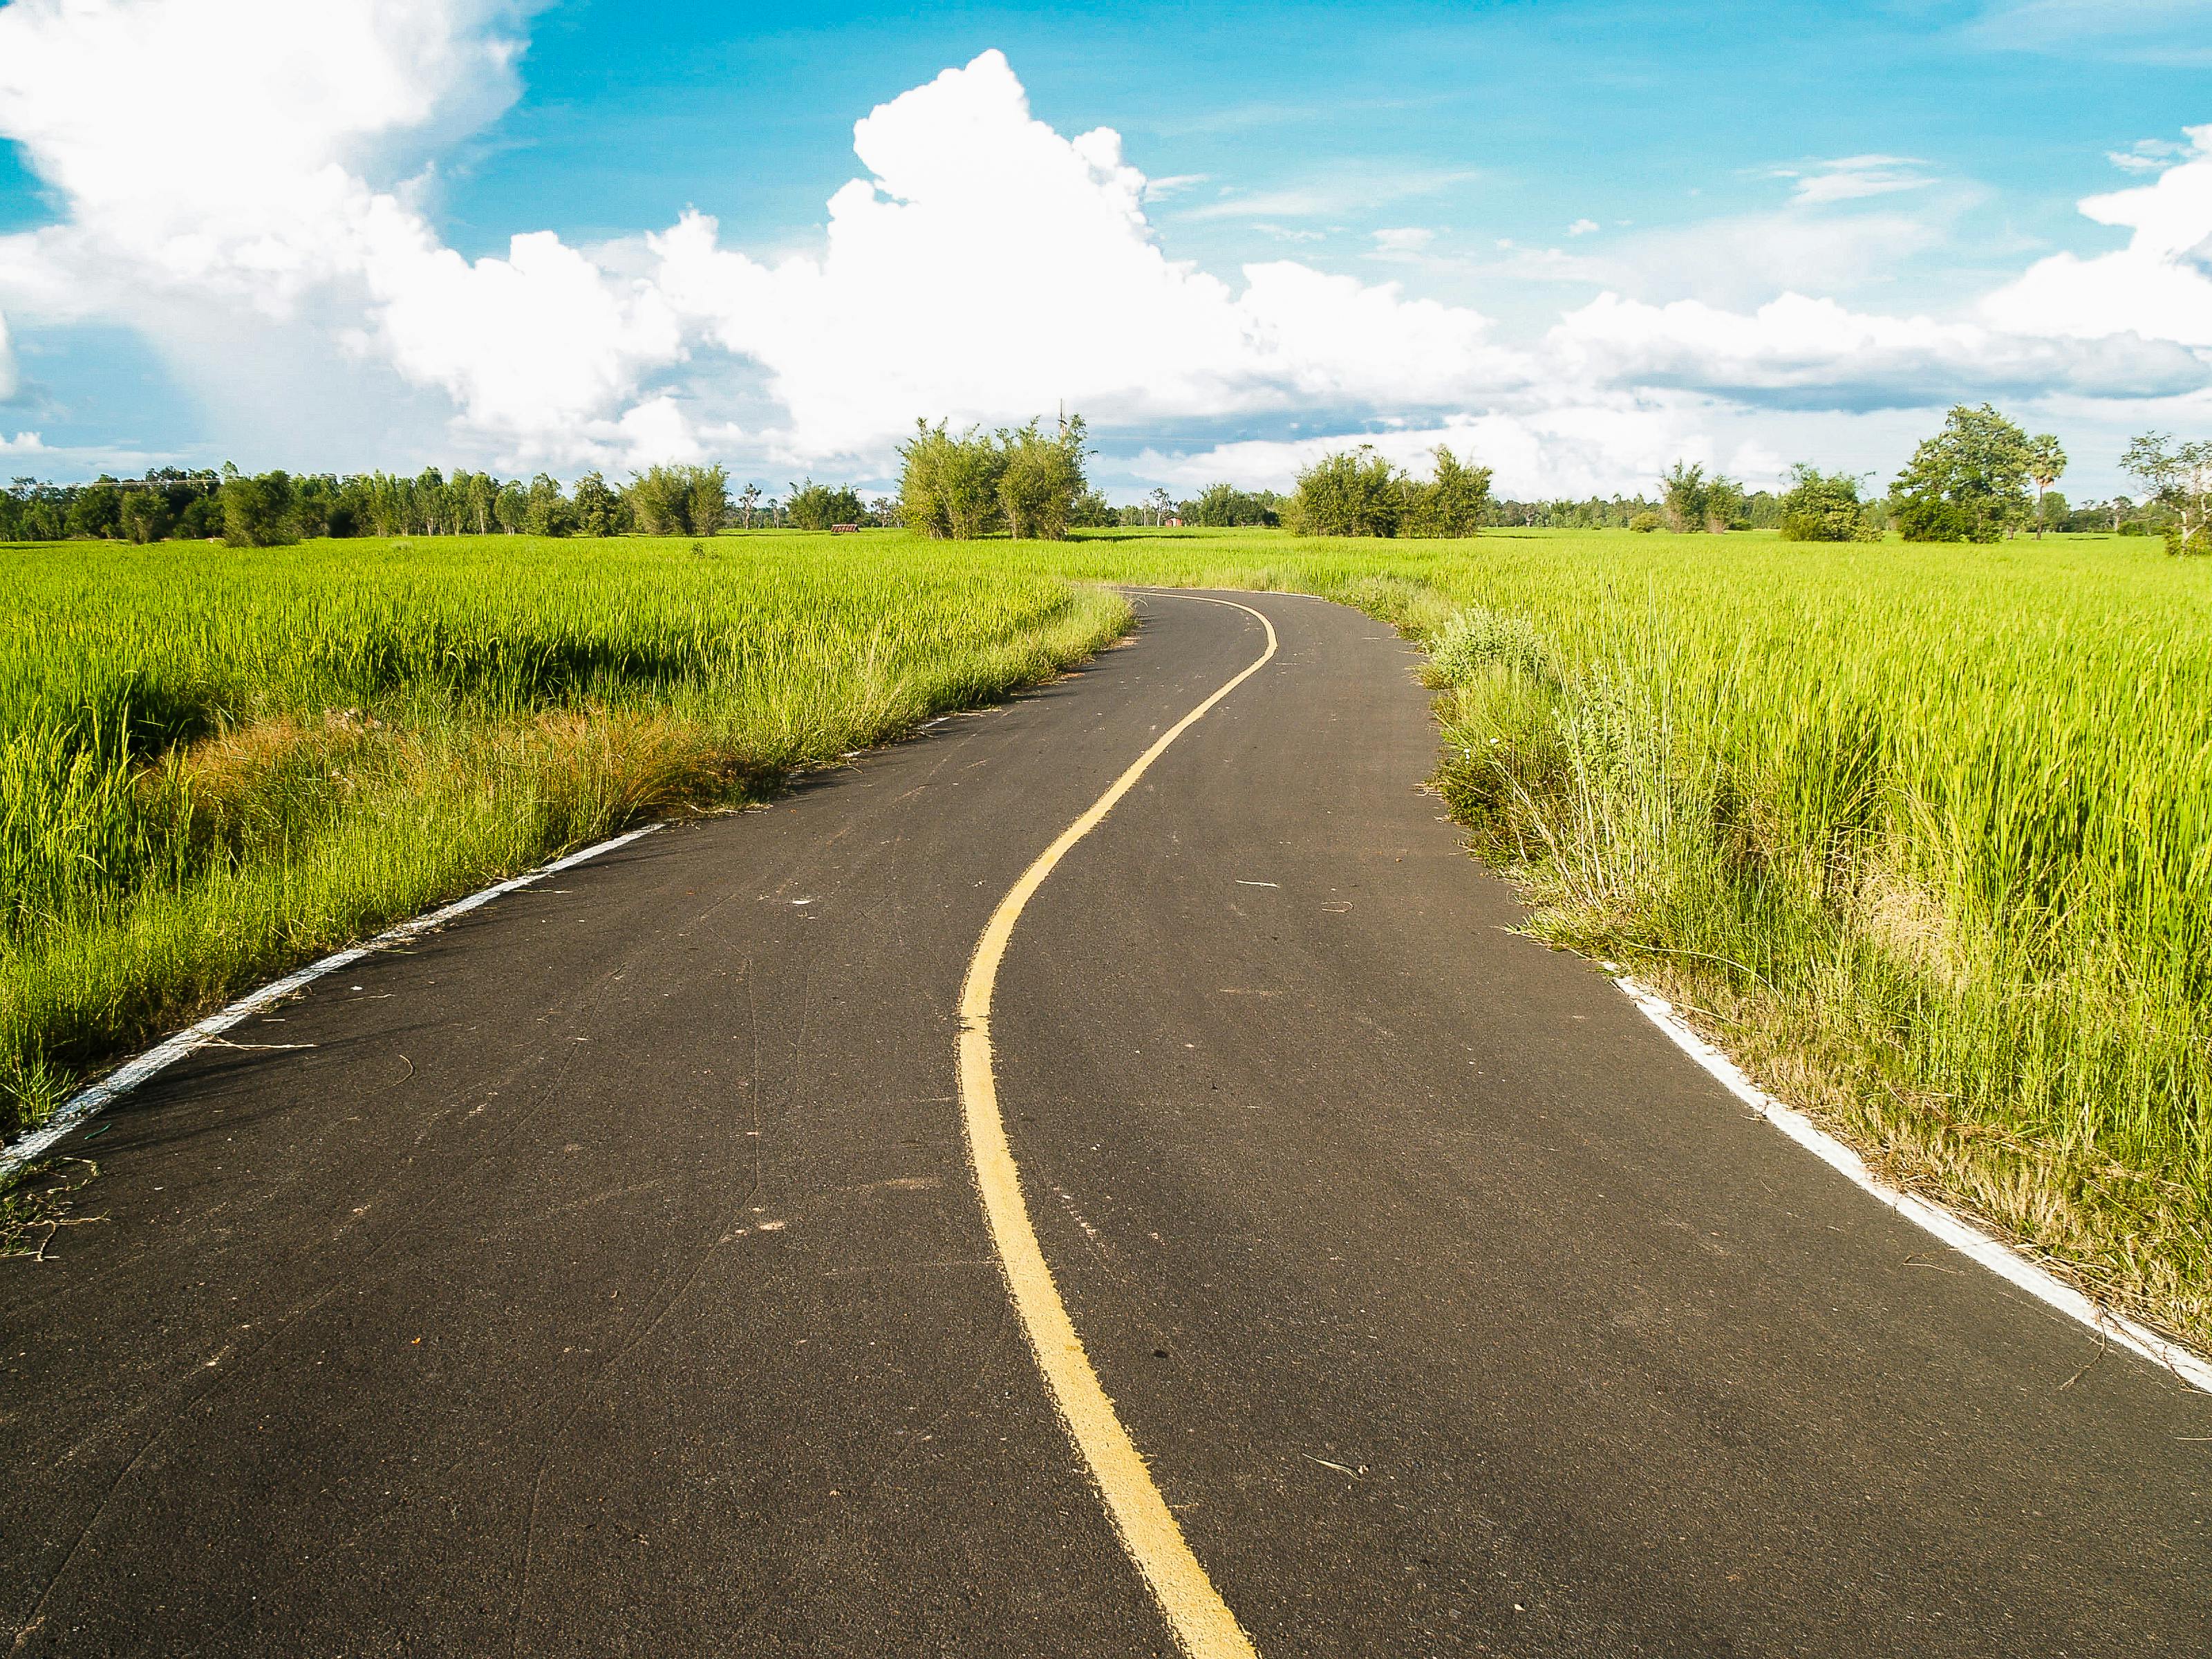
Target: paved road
[607,1274]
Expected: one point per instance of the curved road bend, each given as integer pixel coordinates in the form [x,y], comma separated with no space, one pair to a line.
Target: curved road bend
[607,1275]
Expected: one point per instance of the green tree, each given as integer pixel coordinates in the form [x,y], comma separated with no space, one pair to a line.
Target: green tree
[948,485]
[666,500]
[1683,493]
[2046,464]
[1967,484]
[97,510]
[1352,493]
[144,515]
[1727,507]
[257,512]
[706,505]
[1455,503]
[598,509]
[546,510]
[2179,477]
[1824,506]
[817,507]
[1039,478]
[1088,511]
[1225,505]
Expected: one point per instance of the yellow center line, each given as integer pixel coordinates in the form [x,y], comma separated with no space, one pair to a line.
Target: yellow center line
[1202,1621]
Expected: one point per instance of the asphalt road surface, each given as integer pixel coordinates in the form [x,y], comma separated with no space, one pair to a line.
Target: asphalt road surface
[607,1274]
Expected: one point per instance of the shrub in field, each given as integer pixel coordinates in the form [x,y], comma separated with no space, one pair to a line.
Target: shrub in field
[1040,479]
[1683,492]
[1455,503]
[1932,520]
[1824,506]
[1690,501]
[1353,493]
[948,485]
[1645,523]
[2179,477]
[257,512]
[708,500]
[1223,505]
[144,516]
[1969,481]
[1358,493]
[817,507]
[680,501]
[1478,638]
[538,509]
[963,488]
[96,512]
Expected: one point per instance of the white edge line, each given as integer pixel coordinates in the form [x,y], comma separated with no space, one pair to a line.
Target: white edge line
[96,1097]
[1961,1236]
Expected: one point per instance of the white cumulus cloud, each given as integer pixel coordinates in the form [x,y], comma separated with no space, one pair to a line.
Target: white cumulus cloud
[931,297]
[262,199]
[2160,284]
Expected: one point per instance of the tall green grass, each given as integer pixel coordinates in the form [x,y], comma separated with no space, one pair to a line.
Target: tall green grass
[1921,834]
[214,762]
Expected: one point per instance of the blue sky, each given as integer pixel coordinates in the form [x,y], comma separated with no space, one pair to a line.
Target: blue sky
[1915,168]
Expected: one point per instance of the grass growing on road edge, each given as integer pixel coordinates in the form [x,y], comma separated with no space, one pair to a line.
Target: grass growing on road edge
[216,763]
[1921,835]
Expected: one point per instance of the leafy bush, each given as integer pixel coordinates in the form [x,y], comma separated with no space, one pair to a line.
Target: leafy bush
[1824,506]
[1478,638]
[1645,523]
[1691,500]
[817,507]
[961,489]
[1358,493]
[1352,493]
[949,486]
[1969,481]
[257,512]
[1040,479]
[1223,505]
[1454,504]
[1931,519]
[679,501]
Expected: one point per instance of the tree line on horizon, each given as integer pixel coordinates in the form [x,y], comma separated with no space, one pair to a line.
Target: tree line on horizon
[1981,478]
[274,508]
